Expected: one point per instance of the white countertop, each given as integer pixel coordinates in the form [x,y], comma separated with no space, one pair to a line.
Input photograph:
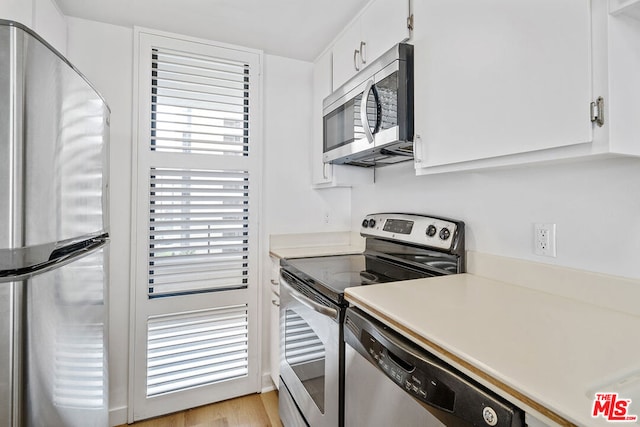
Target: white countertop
[315,244]
[547,353]
[315,251]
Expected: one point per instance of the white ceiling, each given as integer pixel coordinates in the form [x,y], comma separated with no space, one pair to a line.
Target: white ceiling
[298,29]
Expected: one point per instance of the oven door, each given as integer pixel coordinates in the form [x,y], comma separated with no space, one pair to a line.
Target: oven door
[310,345]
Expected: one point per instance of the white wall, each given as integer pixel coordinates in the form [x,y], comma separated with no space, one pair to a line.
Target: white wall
[290,206]
[50,23]
[289,203]
[104,54]
[42,16]
[17,10]
[595,204]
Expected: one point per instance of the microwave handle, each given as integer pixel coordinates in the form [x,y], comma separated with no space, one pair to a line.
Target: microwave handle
[363,111]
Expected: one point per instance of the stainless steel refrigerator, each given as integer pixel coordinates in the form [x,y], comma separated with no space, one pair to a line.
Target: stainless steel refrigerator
[54,130]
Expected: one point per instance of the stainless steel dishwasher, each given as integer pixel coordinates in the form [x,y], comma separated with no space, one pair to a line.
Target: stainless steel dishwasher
[390,381]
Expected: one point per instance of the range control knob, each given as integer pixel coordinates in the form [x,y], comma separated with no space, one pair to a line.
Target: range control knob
[490,416]
[372,223]
[445,233]
[365,223]
[431,230]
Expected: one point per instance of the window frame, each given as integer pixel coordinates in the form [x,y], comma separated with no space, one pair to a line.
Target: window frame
[137,407]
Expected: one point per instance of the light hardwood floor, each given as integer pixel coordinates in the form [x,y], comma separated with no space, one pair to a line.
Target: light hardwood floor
[254,410]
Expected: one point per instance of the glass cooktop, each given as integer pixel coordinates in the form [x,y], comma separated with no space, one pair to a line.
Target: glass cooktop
[331,275]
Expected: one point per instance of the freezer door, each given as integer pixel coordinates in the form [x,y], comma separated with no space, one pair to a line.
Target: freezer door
[65,131]
[6,143]
[66,353]
[56,127]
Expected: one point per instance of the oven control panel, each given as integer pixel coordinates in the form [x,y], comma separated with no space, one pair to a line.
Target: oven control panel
[423,230]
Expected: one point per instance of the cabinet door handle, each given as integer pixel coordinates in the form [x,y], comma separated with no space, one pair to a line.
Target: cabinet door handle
[275,282]
[363,52]
[325,175]
[417,149]
[356,53]
[276,303]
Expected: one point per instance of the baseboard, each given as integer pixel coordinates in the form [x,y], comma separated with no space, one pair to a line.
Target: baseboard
[267,383]
[117,416]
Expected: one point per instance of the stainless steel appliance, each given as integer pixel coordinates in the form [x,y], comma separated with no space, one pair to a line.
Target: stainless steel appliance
[53,238]
[391,381]
[369,120]
[312,305]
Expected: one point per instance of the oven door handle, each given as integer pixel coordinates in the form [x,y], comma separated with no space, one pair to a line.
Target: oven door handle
[309,303]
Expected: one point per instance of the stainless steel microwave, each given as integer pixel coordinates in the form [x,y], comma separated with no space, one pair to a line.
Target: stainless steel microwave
[369,120]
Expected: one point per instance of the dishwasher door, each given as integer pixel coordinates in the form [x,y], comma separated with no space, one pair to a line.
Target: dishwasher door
[390,381]
[372,399]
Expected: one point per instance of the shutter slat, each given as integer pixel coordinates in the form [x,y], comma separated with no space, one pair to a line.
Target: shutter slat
[174,229]
[198,119]
[172,125]
[195,259]
[194,223]
[183,76]
[174,108]
[229,175]
[187,90]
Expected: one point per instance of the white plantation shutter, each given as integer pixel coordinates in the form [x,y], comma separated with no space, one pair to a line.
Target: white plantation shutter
[198,231]
[196,270]
[192,349]
[199,104]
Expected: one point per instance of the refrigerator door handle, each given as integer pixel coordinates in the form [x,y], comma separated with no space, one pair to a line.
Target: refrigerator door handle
[75,249]
[31,261]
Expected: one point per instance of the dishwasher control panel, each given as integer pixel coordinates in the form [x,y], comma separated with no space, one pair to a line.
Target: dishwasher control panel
[414,380]
[427,378]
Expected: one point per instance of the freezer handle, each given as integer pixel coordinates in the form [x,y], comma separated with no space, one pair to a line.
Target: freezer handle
[20,264]
[76,249]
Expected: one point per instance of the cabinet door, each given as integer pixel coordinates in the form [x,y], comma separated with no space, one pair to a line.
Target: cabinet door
[274,347]
[498,77]
[321,172]
[346,55]
[383,25]
[274,319]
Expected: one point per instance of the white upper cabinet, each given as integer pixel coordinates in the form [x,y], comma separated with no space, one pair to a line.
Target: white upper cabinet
[381,25]
[625,7]
[624,76]
[496,78]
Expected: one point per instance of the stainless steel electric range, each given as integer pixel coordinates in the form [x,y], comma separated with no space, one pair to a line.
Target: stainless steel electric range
[312,305]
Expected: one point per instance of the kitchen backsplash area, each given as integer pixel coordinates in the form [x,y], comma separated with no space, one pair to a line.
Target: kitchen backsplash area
[595,205]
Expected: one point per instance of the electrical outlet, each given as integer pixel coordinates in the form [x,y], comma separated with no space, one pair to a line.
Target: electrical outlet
[544,239]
